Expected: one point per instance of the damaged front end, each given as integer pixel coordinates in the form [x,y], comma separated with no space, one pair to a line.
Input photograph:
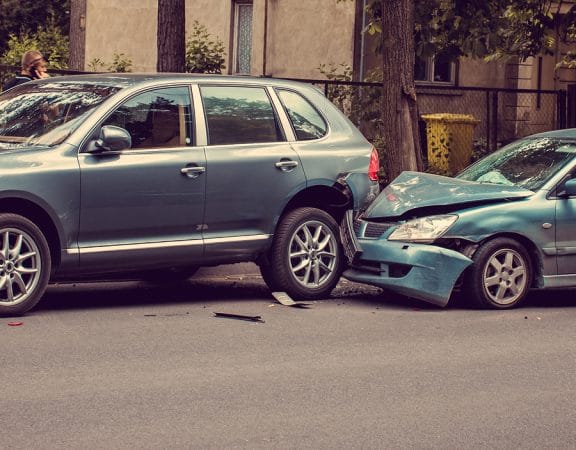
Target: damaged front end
[401,241]
[423,271]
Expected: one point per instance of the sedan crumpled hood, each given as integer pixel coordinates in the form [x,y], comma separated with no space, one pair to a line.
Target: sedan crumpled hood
[412,190]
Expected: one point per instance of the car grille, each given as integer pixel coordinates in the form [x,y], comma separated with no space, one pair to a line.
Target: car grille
[371,230]
[357,226]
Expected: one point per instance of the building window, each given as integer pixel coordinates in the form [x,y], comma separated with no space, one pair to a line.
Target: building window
[242,36]
[437,69]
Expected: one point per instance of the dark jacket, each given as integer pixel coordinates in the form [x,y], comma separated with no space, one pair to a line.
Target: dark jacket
[18,79]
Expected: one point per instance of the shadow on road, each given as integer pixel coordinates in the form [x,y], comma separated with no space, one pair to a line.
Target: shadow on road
[237,287]
[128,293]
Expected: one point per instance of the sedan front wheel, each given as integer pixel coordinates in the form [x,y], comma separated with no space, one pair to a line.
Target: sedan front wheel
[501,274]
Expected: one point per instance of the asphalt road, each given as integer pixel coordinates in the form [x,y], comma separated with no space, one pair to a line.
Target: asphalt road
[132,365]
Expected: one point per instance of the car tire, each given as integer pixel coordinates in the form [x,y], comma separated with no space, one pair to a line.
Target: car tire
[267,273]
[500,276]
[306,258]
[25,264]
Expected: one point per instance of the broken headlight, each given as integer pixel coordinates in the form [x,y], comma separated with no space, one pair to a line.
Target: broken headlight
[425,229]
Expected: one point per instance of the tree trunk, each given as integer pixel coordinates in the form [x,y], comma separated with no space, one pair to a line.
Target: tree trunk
[399,109]
[76,58]
[171,36]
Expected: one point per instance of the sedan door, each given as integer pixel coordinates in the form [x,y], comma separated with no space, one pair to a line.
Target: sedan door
[144,206]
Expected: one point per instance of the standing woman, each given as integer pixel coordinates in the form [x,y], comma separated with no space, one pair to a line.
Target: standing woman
[33,68]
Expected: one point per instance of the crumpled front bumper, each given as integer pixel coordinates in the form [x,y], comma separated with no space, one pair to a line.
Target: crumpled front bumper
[422,271]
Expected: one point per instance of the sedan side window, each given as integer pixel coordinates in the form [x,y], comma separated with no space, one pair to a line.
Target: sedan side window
[156,119]
[239,115]
[307,122]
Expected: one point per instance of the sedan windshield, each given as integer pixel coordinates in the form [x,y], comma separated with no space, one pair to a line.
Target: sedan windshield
[46,114]
[528,163]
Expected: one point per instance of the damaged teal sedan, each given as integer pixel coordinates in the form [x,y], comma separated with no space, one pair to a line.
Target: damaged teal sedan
[503,226]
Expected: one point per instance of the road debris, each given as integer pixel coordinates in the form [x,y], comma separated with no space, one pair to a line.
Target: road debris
[15,324]
[167,314]
[284,299]
[239,317]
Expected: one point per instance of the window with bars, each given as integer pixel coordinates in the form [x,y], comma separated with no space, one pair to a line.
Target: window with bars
[242,36]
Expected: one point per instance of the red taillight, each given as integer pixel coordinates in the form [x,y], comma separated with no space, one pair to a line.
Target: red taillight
[374,166]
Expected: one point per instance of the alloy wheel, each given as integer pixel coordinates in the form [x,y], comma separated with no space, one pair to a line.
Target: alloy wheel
[20,266]
[313,253]
[505,276]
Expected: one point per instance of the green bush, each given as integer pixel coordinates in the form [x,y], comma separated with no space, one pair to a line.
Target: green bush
[120,63]
[204,54]
[47,39]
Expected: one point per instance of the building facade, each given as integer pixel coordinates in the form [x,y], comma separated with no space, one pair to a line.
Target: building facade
[280,38]
[293,38]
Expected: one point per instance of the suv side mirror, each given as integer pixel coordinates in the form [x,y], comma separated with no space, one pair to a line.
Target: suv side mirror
[111,139]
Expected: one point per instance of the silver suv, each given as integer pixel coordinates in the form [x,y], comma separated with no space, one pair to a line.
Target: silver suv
[161,174]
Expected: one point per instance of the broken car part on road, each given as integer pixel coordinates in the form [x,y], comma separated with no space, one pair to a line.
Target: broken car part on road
[239,317]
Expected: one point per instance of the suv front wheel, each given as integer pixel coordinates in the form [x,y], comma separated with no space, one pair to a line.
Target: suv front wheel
[24,264]
[306,258]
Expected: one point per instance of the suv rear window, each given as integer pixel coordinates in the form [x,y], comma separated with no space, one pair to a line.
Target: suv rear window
[239,115]
[307,122]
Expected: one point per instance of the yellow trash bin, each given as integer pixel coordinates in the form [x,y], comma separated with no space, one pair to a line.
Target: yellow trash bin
[449,138]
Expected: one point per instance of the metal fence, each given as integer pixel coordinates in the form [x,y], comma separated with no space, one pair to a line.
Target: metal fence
[504,114]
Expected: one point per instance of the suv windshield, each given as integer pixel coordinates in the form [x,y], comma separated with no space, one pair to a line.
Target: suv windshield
[46,114]
[527,164]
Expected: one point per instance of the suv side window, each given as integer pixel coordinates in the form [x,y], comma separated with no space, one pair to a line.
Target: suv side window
[307,122]
[156,119]
[239,115]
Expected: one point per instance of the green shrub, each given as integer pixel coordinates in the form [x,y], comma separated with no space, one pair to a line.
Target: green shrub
[204,54]
[120,63]
[47,39]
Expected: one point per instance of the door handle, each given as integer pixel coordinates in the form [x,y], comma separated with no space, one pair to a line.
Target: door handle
[192,171]
[287,165]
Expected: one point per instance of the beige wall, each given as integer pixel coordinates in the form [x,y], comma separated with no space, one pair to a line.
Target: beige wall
[305,34]
[127,26]
[301,34]
[477,73]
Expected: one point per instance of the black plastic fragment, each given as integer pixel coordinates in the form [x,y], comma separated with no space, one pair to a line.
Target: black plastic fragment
[239,317]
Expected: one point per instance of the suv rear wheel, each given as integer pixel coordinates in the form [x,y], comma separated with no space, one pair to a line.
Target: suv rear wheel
[24,264]
[306,258]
